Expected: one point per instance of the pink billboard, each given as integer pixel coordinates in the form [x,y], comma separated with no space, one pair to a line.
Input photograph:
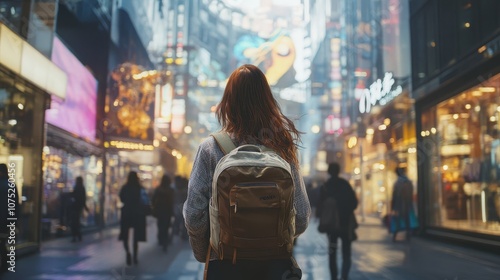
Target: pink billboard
[77,113]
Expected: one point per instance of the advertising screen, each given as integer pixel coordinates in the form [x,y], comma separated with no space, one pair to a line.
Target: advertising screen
[77,113]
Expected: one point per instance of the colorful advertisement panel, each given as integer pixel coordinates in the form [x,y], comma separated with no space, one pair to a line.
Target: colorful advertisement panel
[77,113]
[130,104]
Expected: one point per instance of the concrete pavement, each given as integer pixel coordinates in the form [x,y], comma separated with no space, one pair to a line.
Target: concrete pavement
[375,256]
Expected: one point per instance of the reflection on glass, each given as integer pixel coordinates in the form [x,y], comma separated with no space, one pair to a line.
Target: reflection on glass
[464,194]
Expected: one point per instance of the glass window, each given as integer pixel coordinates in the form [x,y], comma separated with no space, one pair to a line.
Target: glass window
[419,70]
[460,152]
[11,13]
[448,33]
[468,26]
[21,134]
[490,22]
[431,36]
[424,42]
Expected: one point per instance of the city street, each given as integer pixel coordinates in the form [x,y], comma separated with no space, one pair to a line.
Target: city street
[375,256]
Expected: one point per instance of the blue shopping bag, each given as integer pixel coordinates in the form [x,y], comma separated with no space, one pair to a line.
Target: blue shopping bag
[394,220]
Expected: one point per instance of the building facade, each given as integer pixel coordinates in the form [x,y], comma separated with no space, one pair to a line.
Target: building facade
[456,87]
[28,80]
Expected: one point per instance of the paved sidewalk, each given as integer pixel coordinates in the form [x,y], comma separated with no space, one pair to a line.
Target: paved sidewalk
[375,256]
[99,257]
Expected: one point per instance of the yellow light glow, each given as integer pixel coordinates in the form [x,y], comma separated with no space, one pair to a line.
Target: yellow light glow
[315,129]
[352,142]
[487,89]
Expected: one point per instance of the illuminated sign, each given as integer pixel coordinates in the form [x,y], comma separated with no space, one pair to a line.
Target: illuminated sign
[128,145]
[380,92]
[178,116]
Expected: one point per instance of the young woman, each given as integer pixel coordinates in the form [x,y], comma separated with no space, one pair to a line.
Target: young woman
[133,215]
[249,113]
[79,198]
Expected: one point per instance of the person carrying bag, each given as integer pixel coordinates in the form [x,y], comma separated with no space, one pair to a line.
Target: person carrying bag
[246,198]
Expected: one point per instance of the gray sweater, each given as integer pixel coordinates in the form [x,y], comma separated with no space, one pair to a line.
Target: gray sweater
[200,190]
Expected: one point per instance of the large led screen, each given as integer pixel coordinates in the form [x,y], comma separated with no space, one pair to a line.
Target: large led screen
[77,113]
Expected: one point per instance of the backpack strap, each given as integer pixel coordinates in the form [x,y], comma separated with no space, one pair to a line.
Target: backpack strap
[224,141]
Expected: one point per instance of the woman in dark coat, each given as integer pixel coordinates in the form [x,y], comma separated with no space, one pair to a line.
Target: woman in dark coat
[79,202]
[133,215]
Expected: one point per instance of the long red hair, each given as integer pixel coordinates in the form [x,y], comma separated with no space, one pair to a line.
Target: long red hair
[249,111]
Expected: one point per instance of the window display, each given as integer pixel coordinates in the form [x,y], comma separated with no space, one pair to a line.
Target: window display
[21,134]
[60,171]
[461,149]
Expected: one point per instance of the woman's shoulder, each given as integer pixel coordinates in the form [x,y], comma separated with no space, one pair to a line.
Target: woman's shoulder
[208,143]
[210,147]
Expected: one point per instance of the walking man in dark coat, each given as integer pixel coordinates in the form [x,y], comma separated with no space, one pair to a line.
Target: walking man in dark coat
[346,202]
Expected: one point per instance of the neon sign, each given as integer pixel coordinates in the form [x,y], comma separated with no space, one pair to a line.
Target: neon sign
[380,92]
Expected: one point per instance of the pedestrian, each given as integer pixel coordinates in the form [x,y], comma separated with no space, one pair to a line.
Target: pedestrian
[77,204]
[8,209]
[402,203]
[180,195]
[163,206]
[346,203]
[249,114]
[133,215]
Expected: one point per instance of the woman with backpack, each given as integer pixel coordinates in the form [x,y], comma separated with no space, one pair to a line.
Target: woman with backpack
[248,114]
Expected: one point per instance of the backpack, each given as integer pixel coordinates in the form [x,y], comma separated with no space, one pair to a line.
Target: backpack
[252,216]
[329,221]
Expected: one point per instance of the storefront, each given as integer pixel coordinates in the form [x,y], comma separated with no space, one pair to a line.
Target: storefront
[71,148]
[456,87]
[60,170]
[385,140]
[460,144]
[25,85]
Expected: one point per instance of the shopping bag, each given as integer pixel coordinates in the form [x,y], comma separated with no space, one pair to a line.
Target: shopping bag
[399,223]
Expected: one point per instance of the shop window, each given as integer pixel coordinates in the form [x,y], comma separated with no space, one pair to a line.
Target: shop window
[460,152]
[21,123]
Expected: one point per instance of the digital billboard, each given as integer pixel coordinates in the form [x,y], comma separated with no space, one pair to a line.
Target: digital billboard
[130,104]
[77,113]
